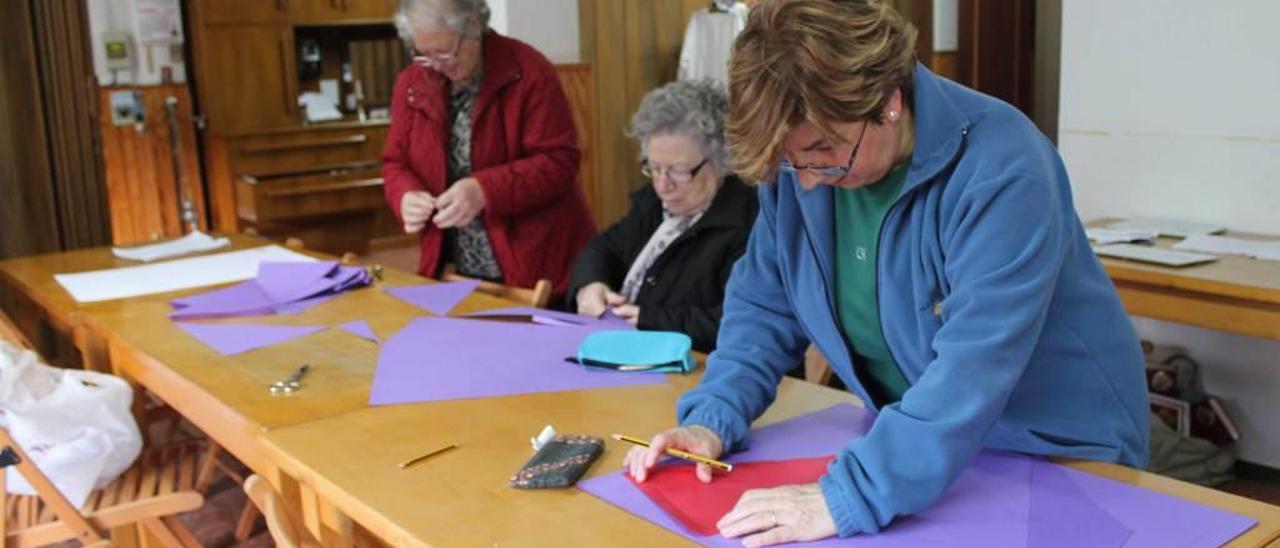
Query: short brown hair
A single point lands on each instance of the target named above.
(822, 61)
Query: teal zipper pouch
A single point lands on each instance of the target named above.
(637, 351)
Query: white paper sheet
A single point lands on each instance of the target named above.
(133, 281)
(1223, 245)
(1167, 227)
(191, 243)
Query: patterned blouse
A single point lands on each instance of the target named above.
(467, 246)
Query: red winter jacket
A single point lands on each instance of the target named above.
(524, 152)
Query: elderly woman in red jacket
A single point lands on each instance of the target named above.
(482, 158)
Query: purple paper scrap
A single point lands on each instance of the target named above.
(231, 339)
(436, 298)
(289, 281)
(437, 359)
(360, 328)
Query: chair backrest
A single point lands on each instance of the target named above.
(283, 527)
(13, 455)
(10, 333)
(537, 296)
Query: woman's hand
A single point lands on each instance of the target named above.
(416, 208)
(593, 299)
(629, 312)
(791, 513)
(459, 205)
(694, 439)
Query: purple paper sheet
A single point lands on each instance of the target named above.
(1060, 512)
(437, 298)
(555, 318)
(243, 299)
(231, 339)
(290, 281)
(298, 307)
(436, 359)
(990, 504)
(360, 328)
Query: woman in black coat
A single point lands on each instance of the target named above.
(665, 265)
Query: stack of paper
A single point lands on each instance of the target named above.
(1231, 246)
(1172, 228)
(191, 243)
(279, 288)
(1103, 236)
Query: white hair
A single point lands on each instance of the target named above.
(695, 109)
(469, 18)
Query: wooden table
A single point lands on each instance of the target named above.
(1234, 294)
(461, 498)
(325, 448)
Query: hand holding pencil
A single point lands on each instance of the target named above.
(694, 439)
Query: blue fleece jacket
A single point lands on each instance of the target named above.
(991, 302)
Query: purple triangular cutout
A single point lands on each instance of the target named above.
(231, 339)
(360, 328)
(438, 298)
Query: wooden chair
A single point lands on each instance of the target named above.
(9, 332)
(539, 296)
(284, 529)
(150, 493)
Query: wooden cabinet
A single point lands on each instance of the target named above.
(217, 12)
(246, 77)
(342, 12)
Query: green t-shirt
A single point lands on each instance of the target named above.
(859, 214)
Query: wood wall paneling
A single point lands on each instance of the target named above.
(68, 83)
(633, 47)
(28, 218)
(997, 49)
(580, 88)
(139, 166)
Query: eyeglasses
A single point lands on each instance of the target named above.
(677, 176)
(432, 60)
(828, 173)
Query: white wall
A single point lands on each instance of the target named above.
(149, 59)
(498, 15)
(946, 25)
(551, 26)
(1168, 109)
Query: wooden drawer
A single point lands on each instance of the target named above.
(270, 155)
(274, 199)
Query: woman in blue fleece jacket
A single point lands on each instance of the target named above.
(922, 235)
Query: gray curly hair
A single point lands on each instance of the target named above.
(693, 108)
(459, 16)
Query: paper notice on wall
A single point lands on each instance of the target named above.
(159, 22)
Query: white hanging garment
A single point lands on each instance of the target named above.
(708, 43)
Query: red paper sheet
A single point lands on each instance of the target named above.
(698, 506)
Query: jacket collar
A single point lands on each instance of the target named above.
(501, 68)
(731, 207)
(941, 128)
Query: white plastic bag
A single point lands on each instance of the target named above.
(75, 425)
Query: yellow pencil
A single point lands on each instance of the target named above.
(680, 454)
(425, 456)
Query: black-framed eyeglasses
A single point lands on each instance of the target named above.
(677, 176)
(829, 173)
